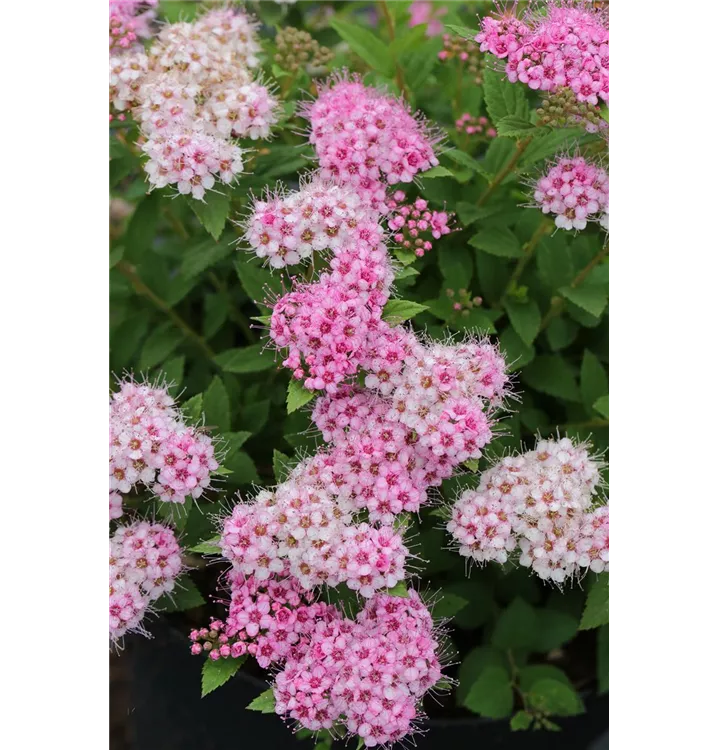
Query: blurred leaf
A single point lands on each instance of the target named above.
(184, 596)
(204, 255)
(517, 353)
(253, 358)
(601, 406)
(255, 415)
(561, 333)
(216, 405)
(473, 664)
(555, 698)
(456, 266)
(463, 31)
(498, 241)
(437, 171)
(530, 675)
(174, 370)
(525, 317)
(596, 612)
(554, 261)
(590, 297)
(212, 211)
(216, 310)
(126, 338)
(159, 345)
(448, 605)
(594, 381)
(263, 703)
(192, 408)
(498, 155)
(551, 374)
(602, 660)
(479, 602)
(298, 395)
(242, 467)
(465, 160)
(516, 626)
(491, 695)
(554, 629)
(142, 227)
(521, 720)
(282, 465)
(176, 514)
(369, 47)
(216, 673)
(257, 282)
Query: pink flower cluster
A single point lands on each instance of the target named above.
(302, 529)
(151, 445)
(145, 561)
(541, 502)
(368, 675)
(413, 224)
(576, 191)
(366, 139)
(191, 94)
(478, 126)
(423, 12)
(129, 21)
(567, 46)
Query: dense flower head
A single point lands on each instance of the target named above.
(575, 190)
(296, 50)
(541, 502)
(415, 225)
(289, 227)
(567, 46)
(561, 109)
(151, 445)
(303, 530)
(366, 138)
(192, 93)
(129, 22)
(368, 675)
(145, 560)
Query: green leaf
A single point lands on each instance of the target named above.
(216, 311)
(369, 47)
(159, 345)
(554, 629)
(546, 145)
(398, 310)
(503, 98)
(193, 408)
(116, 255)
(174, 371)
(184, 596)
(463, 159)
(498, 155)
(525, 317)
(176, 514)
(551, 374)
(142, 228)
(602, 660)
(255, 415)
(554, 262)
(216, 406)
(479, 602)
(203, 256)
(216, 673)
(448, 605)
(237, 439)
(406, 273)
(212, 211)
(242, 467)
(592, 298)
(514, 127)
(463, 31)
(491, 695)
(474, 664)
(555, 698)
(561, 333)
(530, 675)
(521, 720)
(594, 381)
(437, 171)
(126, 338)
(208, 547)
(516, 626)
(517, 353)
(263, 703)
(257, 282)
(282, 465)
(601, 406)
(498, 241)
(298, 396)
(456, 265)
(596, 612)
(253, 358)
(399, 590)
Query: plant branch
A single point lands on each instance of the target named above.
(521, 146)
(143, 290)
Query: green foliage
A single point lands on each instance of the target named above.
(185, 595)
(491, 695)
(212, 211)
(264, 702)
(371, 49)
(216, 673)
(398, 310)
(596, 612)
(298, 396)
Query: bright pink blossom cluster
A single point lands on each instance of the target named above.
(145, 561)
(566, 46)
(414, 224)
(541, 502)
(129, 21)
(304, 530)
(366, 139)
(368, 675)
(476, 126)
(576, 191)
(191, 94)
(151, 445)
